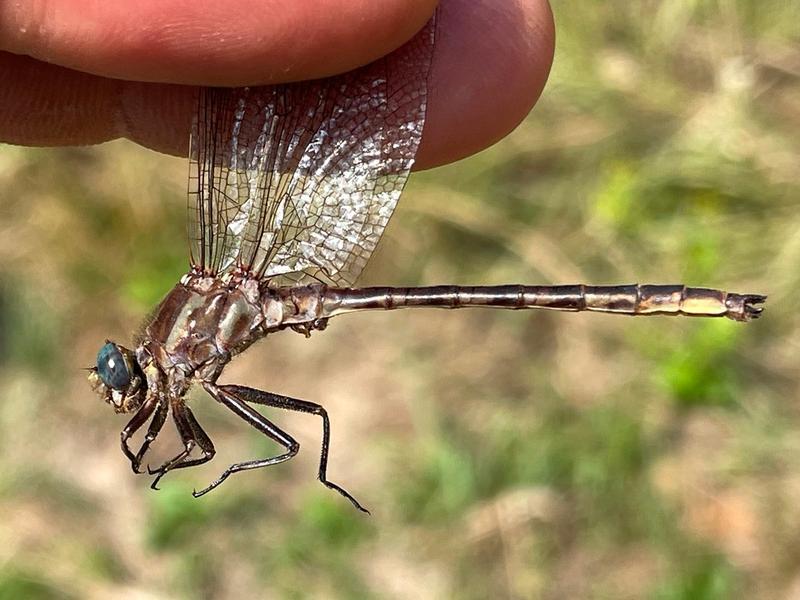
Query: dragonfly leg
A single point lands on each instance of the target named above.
(259, 422)
(134, 425)
(245, 394)
(152, 433)
(192, 436)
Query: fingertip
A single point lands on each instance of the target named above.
(210, 42)
(47, 105)
(158, 116)
(491, 64)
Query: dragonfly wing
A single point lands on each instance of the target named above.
(297, 182)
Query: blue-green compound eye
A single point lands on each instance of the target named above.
(112, 368)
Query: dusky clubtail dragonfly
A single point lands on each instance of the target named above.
(290, 189)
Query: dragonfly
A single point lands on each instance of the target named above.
(290, 189)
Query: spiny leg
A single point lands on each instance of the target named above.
(287, 403)
(257, 421)
(134, 425)
(191, 435)
(202, 439)
(185, 433)
(152, 433)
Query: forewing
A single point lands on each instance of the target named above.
(297, 182)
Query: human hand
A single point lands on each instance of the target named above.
(76, 72)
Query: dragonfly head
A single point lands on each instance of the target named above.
(117, 378)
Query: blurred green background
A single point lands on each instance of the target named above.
(513, 455)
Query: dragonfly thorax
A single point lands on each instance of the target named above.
(202, 322)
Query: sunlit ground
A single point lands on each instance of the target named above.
(503, 454)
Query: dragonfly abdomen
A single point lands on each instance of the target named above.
(632, 299)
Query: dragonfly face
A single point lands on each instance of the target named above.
(117, 378)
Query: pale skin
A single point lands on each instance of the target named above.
(80, 72)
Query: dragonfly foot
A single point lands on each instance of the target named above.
(159, 473)
(332, 486)
(212, 485)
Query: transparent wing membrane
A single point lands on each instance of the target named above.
(298, 181)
